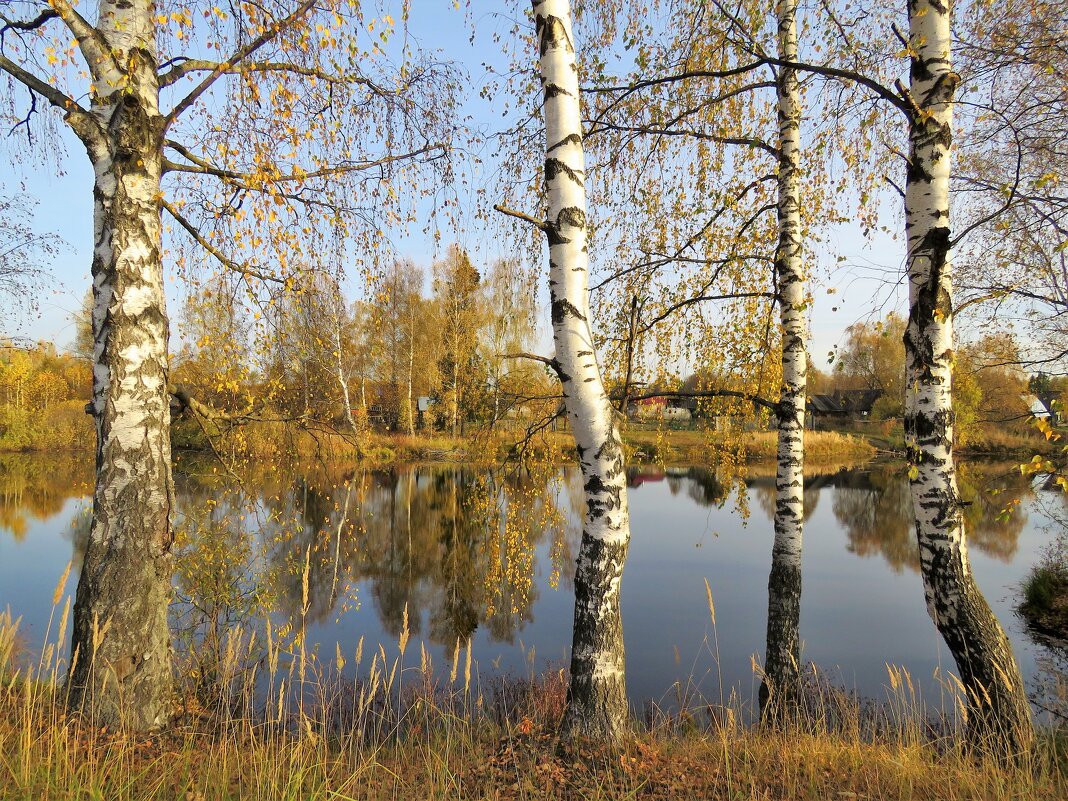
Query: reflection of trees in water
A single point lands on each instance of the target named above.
(875, 508)
(217, 583)
(764, 489)
(78, 533)
(707, 486)
(454, 546)
(34, 487)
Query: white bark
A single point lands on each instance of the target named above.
(597, 704)
(782, 661)
(337, 303)
(411, 365)
(122, 672)
(999, 712)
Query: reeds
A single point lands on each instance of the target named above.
(373, 722)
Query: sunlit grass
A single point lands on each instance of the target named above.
(699, 447)
(382, 722)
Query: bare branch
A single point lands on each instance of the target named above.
(909, 104)
(897, 188)
(701, 299)
(691, 133)
(188, 66)
(681, 76)
(202, 166)
(866, 81)
(551, 363)
(79, 119)
(188, 402)
(539, 224)
(25, 25)
(883, 92)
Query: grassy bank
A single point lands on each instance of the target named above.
(373, 739)
(1045, 597)
(399, 733)
(271, 440)
(988, 441)
(643, 445)
(702, 447)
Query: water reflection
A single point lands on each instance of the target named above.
(488, 554)
(36, 489)
(874, 507)
(444, 550)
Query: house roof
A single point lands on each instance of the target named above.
(824, 404)
(845, 401)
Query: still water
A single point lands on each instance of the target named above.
(464, 552)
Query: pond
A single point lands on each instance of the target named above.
(463, 552)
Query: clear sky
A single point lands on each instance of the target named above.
(865, 283)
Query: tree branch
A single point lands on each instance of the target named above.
(551, 363)
(229, 263)
(539, 224)
(867, 82)
(877, 88)
(25, 25)
(92, 44)
(78, 118)
(188, 402)
(202, 166)
(267, 36)
(191, 65)
(744, 141)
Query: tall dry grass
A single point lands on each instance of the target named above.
(279, 721)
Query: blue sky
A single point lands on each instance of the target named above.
(865, 284)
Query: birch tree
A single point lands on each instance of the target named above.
(999, 715)
(391, 334)
(597, 699)
(782, 661)
(259, 152)
(710, 114)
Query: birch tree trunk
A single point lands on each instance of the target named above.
(781, 683)
(455, 391)
(121, 669)
(999, 717)
(597, 700)
(338, 304)
(411, 365)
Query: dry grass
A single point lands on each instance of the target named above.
(392, 730)
(1008, 442)
(702, 447)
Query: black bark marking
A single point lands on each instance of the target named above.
(561, 308)
(933, 300)
(555, 90)
(570, 139)
(781, 689)
(551, 33)
(554, 168)
(596, 504)
(573, 217)
(596, 700)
